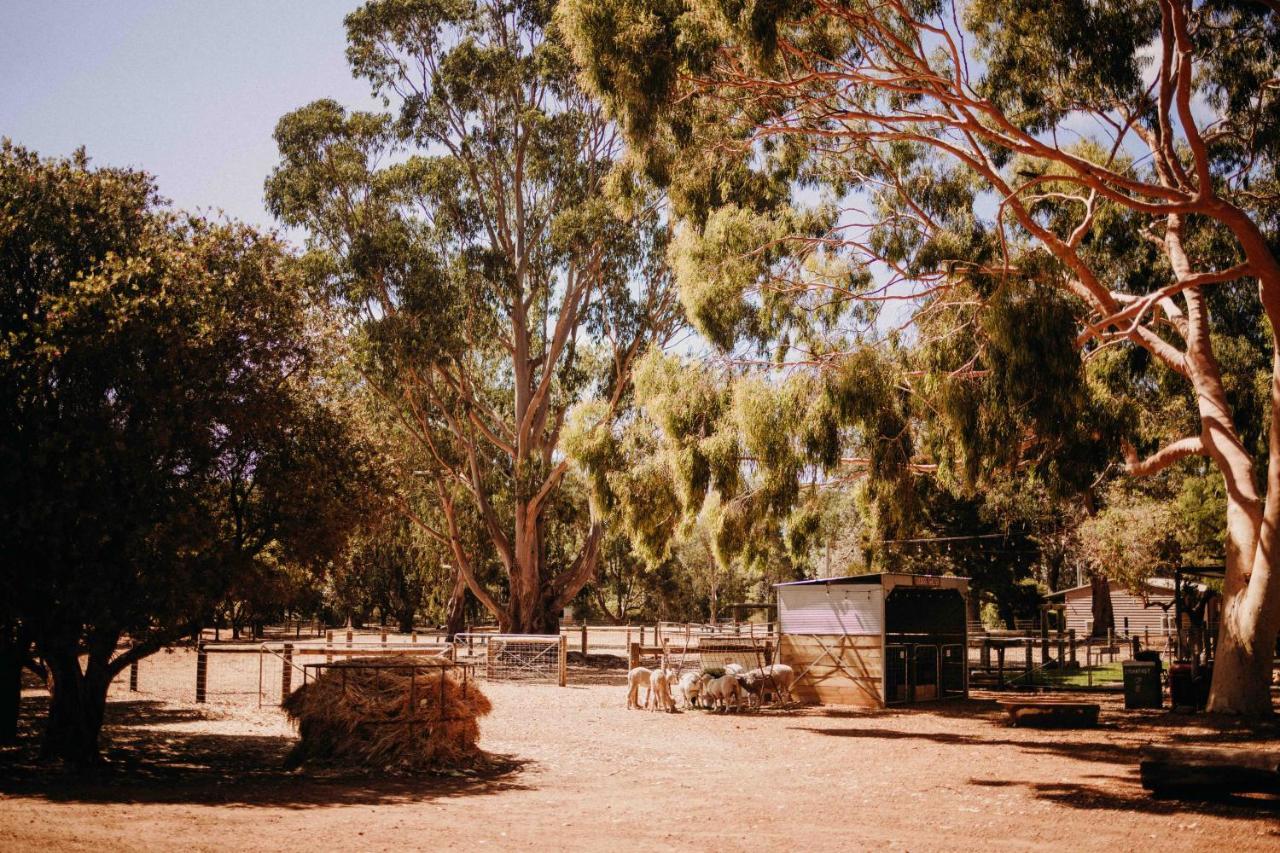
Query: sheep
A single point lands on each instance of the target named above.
(660, 690)
(637, 678)
(775, 678)
(733, 669)
(723, 690)
(689, 687)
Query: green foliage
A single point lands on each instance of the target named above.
(170, 436)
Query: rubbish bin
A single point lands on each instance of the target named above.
(1142, 684)
(1184, 690)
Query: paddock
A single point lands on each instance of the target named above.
(586, 773)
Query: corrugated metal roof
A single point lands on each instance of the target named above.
(852, 609)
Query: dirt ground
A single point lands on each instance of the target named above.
(582, 772)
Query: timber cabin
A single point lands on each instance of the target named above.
(875, 640)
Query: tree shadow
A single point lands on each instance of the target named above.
(1090, 797)
(149, 763)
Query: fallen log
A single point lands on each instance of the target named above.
(1050, 714)
(1209, 770)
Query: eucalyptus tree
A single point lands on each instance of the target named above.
(1107, 169)
(492, 282)
(166, 422)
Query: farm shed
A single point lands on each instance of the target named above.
(875, 640)
(1133, 616)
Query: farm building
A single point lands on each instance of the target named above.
(1149, 613)
(875, 640)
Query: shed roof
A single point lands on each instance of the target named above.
(888, 580)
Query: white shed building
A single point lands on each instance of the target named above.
(872, 640)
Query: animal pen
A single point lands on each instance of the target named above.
(875, 640)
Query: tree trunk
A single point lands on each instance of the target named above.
(405, 619)
(11, 658)
(1104, 618)
(455, 617)
(77, 703)
(1250, 615)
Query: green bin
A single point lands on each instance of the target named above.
(1142, 684)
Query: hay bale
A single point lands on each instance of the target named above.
(358, 713)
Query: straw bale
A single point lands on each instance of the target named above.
(359, 713)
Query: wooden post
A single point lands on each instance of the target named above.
(133, 677)
(1000, 663)
(384, 636)
(470, 639)
(1044, 635)
(584, 640)
(1111, 640)
(642, 635)
(986, 654)
(286, 673)
(1071, 638)
(1062, 656)
(350, 636)
(629, 638)
(328, 647)
(564, 660)
(415, 635)
(666, 657)
(202, 673)
(1030, 649)
(633, 654)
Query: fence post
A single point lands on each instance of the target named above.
(384, 636)
(1030, 647)
(328, 647)
(986, 653)
(1071, 638)
(1062, 656)
(633, 654)
(665, 655)
(629, 638)
(133, 677)
(415, 635)
(564, 660)
(584, 640)
(350, 636)
(1000, 662)
(286, 673)
(1111, 641)
(642, 635)
(202, 673)
(470, 639)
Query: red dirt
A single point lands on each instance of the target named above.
(579, 771)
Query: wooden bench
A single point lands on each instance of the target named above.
(1051, 713)
(1209, 770)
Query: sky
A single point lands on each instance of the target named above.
(188, 90)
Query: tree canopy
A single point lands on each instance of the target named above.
(167, 429)
(1068, 206)
(490, 281)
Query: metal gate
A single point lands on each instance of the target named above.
(897, 688)
(924, 685)
(953, 670)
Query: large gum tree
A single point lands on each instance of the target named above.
(489, 280)
(1120, 154)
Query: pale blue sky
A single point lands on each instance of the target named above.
(188, 90)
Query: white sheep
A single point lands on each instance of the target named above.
(724, 690)
(688, 688)
(660, 690)
(733, 669)
(637, 678)
(776, 678)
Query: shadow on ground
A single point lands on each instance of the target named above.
(1115, 749)
(149, 763)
